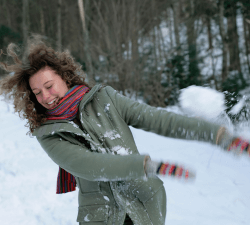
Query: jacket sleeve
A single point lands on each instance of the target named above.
(160, 121)
(83, 163)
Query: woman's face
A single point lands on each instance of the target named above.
(48, 87)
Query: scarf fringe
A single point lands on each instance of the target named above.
(66, 182)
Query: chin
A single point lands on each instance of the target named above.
(46, 107)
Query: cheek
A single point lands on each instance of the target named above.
(54, 91)
(58, 90)
(39, 98)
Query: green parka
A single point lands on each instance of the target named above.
(101, 153)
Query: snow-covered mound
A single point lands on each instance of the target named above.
(220, 195)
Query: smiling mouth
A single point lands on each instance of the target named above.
(53, 101)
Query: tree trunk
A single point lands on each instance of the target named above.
(8, 16)
(169, 21)
(134, 41)
(59, 26)
(248, 28)
(233, 41)
(135, 53)
(25, 24)
(176, 26)
(193, 76)
(210, 38)
(42, 21)
(246, 43)
(86, 38)
(223, 35)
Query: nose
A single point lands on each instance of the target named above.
(45, 96)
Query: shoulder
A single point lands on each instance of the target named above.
(104, 89)
(105, 93)
(97, 90)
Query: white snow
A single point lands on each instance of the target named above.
(219, 195)
(202, 102)
(106, 198)
(74, 124)
(111, 134)
(120, 150)
(236, 108)
(107, 107)
(86, 218)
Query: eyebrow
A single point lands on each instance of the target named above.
(43, 84)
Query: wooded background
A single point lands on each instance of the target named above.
(143, 48)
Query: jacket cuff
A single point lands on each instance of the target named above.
(221, 132)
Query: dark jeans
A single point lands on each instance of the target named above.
(128, 221)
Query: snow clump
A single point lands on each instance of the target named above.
(202, 102)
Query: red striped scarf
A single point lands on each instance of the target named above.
(67, 109)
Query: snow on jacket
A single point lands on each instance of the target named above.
(102, 155)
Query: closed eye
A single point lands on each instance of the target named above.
(40, 92)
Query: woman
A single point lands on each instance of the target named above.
(85, 131)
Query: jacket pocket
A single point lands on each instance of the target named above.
(96, 213)
(92, 198)
(147, 189)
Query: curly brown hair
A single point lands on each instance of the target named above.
(16, 87)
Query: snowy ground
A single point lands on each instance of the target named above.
(220, 194)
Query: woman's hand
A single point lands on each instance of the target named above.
(236, 145)
(153, 168)
(239, 146)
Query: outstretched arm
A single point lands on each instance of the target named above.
(170, 124)
(162, 122)
(84, 163)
